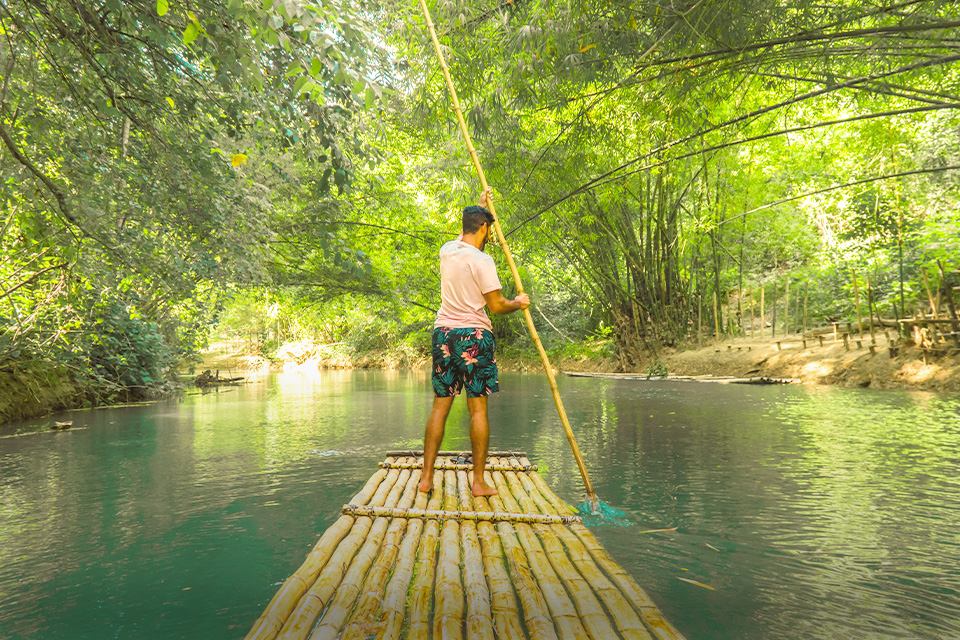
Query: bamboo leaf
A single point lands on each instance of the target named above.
(699, 584)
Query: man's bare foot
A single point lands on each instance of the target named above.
(426, 484)
(483, 490)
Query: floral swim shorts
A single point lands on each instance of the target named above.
(464, 358)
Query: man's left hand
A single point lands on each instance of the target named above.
(486, 198)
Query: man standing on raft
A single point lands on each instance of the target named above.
(463, 345)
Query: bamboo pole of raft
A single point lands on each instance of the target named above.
(466, 516)
(591, 613)
(649, 612)
(591, 496)
(349, 590)
(453, 466)
(375, 583)
(418, 453)
(536, 612)
(566, 619)
(308, 608)
(503, 603)
(270, 622)
(624, 616)
(479, 621)
(448, 592)
(394, 601)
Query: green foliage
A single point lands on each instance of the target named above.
(657, 369)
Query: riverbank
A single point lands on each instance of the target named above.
(36, 389)
(833, 363)
(830, 364)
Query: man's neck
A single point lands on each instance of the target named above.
(471, 239)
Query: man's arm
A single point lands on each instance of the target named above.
(500, 305)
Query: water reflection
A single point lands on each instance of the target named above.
(813, 512)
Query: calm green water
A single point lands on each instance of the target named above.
(813, 512)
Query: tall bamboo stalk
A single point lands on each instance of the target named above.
(856, 295)
(806, 295)
(786, 307)
(753, 329)
(873, 337)
(716, 317)
(926, 284)
(773, 303)
(304, 615)
(271, 621)
(763, 317)
(571, 439)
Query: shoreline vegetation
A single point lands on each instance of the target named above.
(35, 392)
(833, 363)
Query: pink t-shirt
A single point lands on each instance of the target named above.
(466, 273)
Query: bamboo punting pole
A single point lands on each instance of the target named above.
(448, 593)
(658, 625)
(305, 614)
(503, 603)
(453, 466)
(375, 582)
(271, 621)
(624, 616)
(873, 337)
(536, 612)
(753, 329)
(565, 617)
(349, 590)
(589, 609)
(856, 296)
(571, 439)
(474, 516)
(479, 622)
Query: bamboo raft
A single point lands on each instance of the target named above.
(402, 564)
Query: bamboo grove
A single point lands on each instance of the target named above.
(290, 171)
(671, 156)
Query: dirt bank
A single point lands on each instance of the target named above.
(831, 364)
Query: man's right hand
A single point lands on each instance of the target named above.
(523, 300)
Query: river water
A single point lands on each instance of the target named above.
(812, 513)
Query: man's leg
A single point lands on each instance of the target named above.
(432, 437)
(479, 441)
